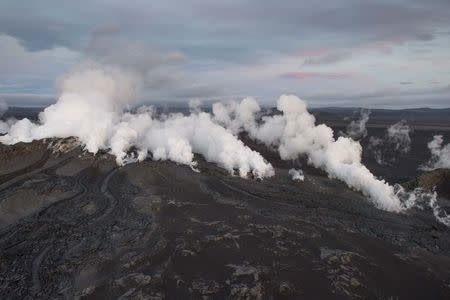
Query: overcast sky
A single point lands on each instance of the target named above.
(392, 53)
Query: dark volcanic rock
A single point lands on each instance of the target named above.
(437, 180)
(157, 230)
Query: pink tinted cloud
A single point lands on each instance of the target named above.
(383, 46)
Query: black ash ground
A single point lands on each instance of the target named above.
(74, 225)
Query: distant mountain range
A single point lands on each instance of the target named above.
(411, 115)
(337, 114)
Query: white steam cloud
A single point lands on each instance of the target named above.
(440, 154)
(357, 128)
(397, 140)
(176, 137)
(297, 175)
(420, 199)
(294, 133)
(91, 107)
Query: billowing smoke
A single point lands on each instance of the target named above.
(440, 154)
(92, 107)
(357, 128)
(396, 141)
(297, 175)
(294, 133)
(3, 125)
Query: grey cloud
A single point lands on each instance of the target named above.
(329, 58)
(173, 42)
(22, 99)
(246, 26)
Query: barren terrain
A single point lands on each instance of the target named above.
(74, 225)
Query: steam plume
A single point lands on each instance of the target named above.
(397, 140)
(398, 135)
(421, 199)
(440, 154)
(294, 133)
(91, 107)
(297, 175)
(176, 137)
(357, 128)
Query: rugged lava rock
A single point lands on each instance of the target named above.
(437, 180)
(76, 226)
